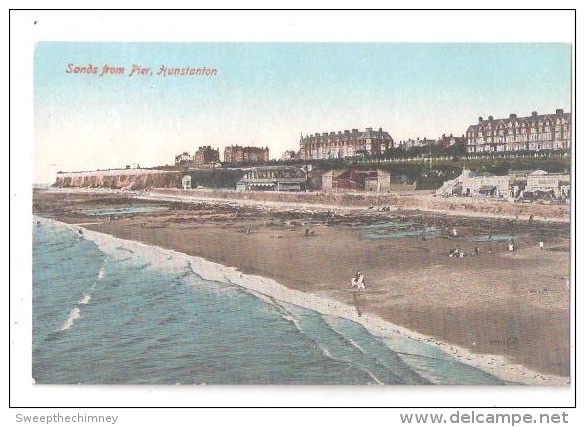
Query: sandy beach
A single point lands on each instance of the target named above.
(510, 304)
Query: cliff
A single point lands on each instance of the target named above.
(128, 179)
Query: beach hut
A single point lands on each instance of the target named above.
(186, 182)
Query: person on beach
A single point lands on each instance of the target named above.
(490, 236)
(454, 232)
(511, 245)
(541, 245)
(476, 251)
(358, 282)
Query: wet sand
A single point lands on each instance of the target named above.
(514, 304)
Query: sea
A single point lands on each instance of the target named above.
(112, 311)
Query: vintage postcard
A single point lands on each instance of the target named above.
(302, 213)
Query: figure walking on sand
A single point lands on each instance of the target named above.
(358, 282)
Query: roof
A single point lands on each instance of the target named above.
(347, 135)
(495, 123)
(474, 174)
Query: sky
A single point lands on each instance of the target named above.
(267, 94)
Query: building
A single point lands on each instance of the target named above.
(517, 184)
(183, 159)
(358, 180)
(289, 155)
(557, 184)
(484, 184)
(239, 154)
(533, 133)
(273, 178)
(474, 184)
(446, 141)
(332, 145)
(205, 156)
(186, 182)
(413, 143)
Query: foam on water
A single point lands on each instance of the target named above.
(383, 351)
(74, 314)
(85, 300)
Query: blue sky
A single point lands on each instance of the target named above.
(266, 94)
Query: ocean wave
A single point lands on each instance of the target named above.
(373, 377)
(271, 291)
(291, 303)
(74, 314)
(85, 299)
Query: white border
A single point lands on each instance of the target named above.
(406, 26)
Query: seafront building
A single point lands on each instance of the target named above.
(183, 159)
(515, 185)
(533, 133)
(273, 178)
(446, 141)
(239, 154)
(414, 143)
(339, 145)
(289, 155)
(364, 180)
(558, 184)
(205, 156)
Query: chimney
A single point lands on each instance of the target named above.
(513, 116)
(559, 111)
(534, 114)
(380, 130)
(481, 119)
(490, 118)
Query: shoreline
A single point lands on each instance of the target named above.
(406, 202)
(479, 305)
(495, 365)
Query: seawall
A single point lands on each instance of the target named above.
(416, 200)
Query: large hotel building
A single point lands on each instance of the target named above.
(338, 145)
(238, 154)
(534, 133)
